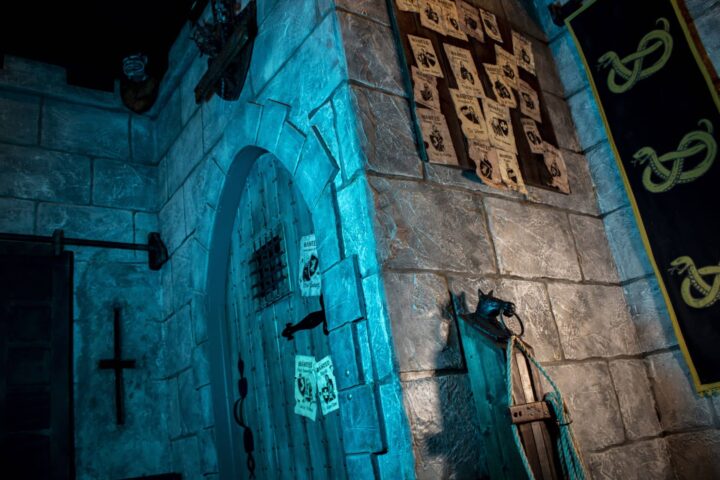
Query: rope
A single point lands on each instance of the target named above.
(570, 461)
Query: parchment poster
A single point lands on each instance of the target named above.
(556, 166)
(425, 57)
(501, 88)
(470, 21)
(529, 101)
(408, 5)
(471, 117)
(425, 89)
(463, 67)
(508, 66)
(452, 20)
(491, 26)
(437, 137)
(305, 403)
(431, 16)
(309, 267)
(510, 171)
(499, 125)
(532, 134)
(326, 386)
(488, 165)
(523, 53)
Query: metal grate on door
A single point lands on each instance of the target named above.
(269, 268)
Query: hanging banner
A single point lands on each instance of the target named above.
(326, 386)
(305, 384)
(662, 113)
(309, 267)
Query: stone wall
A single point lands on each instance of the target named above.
(616, 360)
(74, 159)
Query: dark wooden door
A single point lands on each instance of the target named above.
(287, 445)
(35, 364)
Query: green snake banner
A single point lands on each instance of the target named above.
(662, 114)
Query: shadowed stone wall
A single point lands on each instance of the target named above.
(616, 360)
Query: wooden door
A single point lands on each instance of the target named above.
(272, 218)
(35, 364)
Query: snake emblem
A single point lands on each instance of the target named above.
(695, 281)
(691, 144)
(630, 69)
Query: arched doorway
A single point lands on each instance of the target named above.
(261, 213)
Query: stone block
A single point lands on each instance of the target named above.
(189, 80)
(356, 217)
(189, 402)
(596, 261)
(707, 26)
(582, 196)
(189, 267)
(545, 20)
(695, 454)
(43, 175)
(344, 349)
(19, 114)
(352, 157)
(319, 61)
(374, 9)
(168, 124)
(426, 337)
(397, 429)
(606, 177)
(271, 124)
(446, 434)
(626, 245)
(533, 306)
(561, 119)
(85, 222)
(378, 321)
(202, 189)
(17, 216)
(546, 69)
(172, 222)
(142, 140)
(362, 334)
(636, 461)
(144, 224)
(216, 113)
(186, 457)
(521, 16)
(569, 65)
(387, 137)
(649, 314)
(679, 407)
(585, 113)
(290, 146)
(86, 130)
(590, 397)
(185, 153)
(208, 452)
(326, 221)
(360, 423)
(635, 396)
(162, 181)
(359, 467)
(424, 227)
(201, 365)
(315, 170)
(167, 291)
(593, 321)
(199, 317)
(370, 61)
(178, 341)
(125, 185)
(323, 123)
(206, 406)
(344, 301)
(531, 241)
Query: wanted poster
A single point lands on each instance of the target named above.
(510, 171)
(431, 16)
(471, 118)
(487, 165)
(470, 21)
(556, 166)
(408, 5)
(489, 21)
(305, 404)
(501, 88)
(463, 67)
(499, 125)
(452, 20)
(532, 134)
(309, 267)
(529, 101)
(522, 48)
(425, 89)
(436, 136)
(508, 66)
(425, 57)
(326, 386)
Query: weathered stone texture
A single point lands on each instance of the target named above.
(85, 222)
(592, 403)
(707, 26)
(172, 222)
(532, 304)
(593, 321)
(695, 454)
(446, 434)
(425, 335)
(386, 138)
(124, 185)
(606, 177)
(568, 61)
(679, 407)
(582, 197)
(19, 116)
(585, 112)
(626, 244)
(562, 122)
(531, 241)
(639, 461)
(423, 227)
(375, 9)
(360, 423)
(184, 154)
(649, 314)
(371, 61)
(17, 216)
(142, 140)
(596, 261)
(521, 19)
(637, 404)
(82, 129)
(344, 300)
(43, 175)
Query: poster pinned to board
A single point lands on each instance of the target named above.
(310, 277)
(431, 16)
(523, 53)
(305, 387)
(437, 137)
(490, 23)
(452, 20)
(425, 57)
(463, 68)
(470, 21)
(326, 385)
(425, 89)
